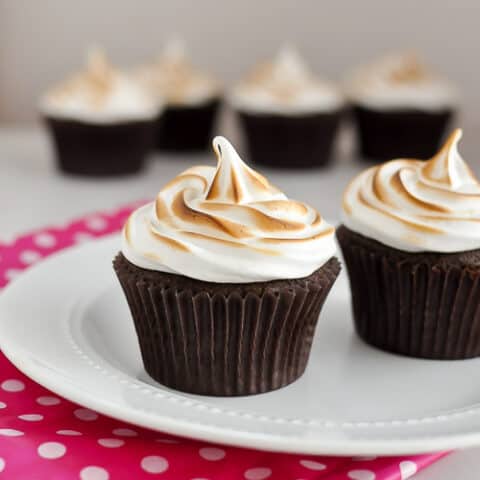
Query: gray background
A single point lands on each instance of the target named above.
(41, 41)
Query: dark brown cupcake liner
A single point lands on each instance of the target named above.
(281, 141)
(100, 150)
(414, 304)
(384, 135)
(224, 339)
(187, 128)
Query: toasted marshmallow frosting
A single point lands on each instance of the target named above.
(101, 94)
(174, 78)
(413, 205)
(400, 81)
(227, 224)
(285, 86)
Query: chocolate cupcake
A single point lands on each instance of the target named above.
(411, 244)
(289, 116)
(225, 278)
(400, 108)
(192, 100)
(102, 121)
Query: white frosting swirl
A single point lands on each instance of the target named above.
(413, 205)
(400, 81)
(101, 94)
(176, 80)
(285, 86)
(227, 224)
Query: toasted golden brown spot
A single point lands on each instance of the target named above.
(346, 206)
(410, 71)
(187, 176)
(287, 206)
(317, 221)
(260, 220)
(324, 233)
(126, 231)
(397, 185)
(422, 228)
(170, 242)
(152, 256)
(259, 181)
(236, 191)
(187, 214)
(161, 209)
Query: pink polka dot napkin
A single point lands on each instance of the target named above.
(45, 437)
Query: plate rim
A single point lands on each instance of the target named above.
(200, 431)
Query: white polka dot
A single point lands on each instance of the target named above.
(111, 442)
(29, 256)
(2, 464)
(361, 475)
(312, 465)
(45, 240)
(3, 405)
(13, 385)
(212, 454)
(10, 432)
(154, 464)
(94, 473)
(125, 432)
(48, 401)
(257, 473)
(407, 469)
(96, 223)
(12, 273)
(82, 237)
(51, 450)
(31, 417)
(69, 433)
(85, 414)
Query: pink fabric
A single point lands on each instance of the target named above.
(44, 437)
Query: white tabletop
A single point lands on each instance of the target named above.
(33, 194)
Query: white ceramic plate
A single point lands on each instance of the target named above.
(66, 324)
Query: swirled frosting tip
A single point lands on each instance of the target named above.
(227, 224)
(234, 181)
(416, 205)
(448, 167)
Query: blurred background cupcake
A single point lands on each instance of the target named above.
(192, 99)
(101, 120)
(289, 115)
(400, 107)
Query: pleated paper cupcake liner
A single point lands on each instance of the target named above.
(300, 141)
(213, 339)
(415, 308)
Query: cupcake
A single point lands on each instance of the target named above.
(411, 243)
(400, 108)
(192, 100)
(101, 120)
(290, 117)
(225, 278)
